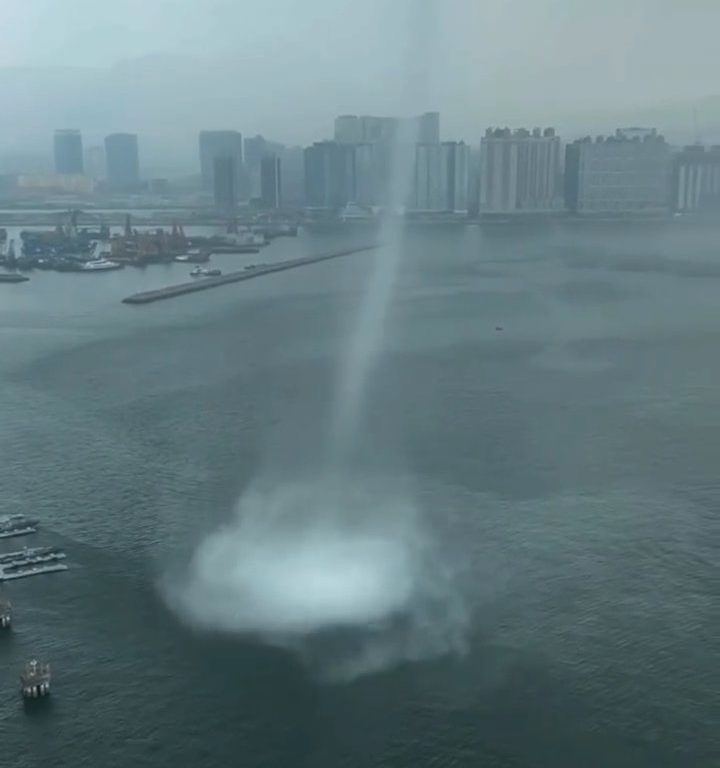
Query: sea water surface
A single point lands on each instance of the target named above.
(552, 395)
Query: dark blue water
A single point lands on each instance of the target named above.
(568, 465)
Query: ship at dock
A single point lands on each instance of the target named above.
(16, 525)
(31, 561)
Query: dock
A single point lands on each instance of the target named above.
(180, 289)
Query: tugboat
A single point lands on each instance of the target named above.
(35, 680)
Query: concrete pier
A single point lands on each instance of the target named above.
(169, 292)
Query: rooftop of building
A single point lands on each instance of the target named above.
(626, 136)
(519, 133)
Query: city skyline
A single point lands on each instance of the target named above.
(518, 170)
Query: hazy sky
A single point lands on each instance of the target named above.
(286, 67)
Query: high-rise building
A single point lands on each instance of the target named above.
(519, 171)
(364, 169)
(455, 170)
(441, 177)
(271, 182)
(428, 128)
(123, 161)
(696, 180)
(385, 150)
(348, 129)
(628, 173)
(293, 177)
(225, 180)
(257, 147)
(428, 178)
(68, 151)
(367, 129)
(329, 175)
(215, 144)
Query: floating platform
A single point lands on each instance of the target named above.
(146, 297)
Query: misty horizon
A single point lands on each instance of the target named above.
(166, 75)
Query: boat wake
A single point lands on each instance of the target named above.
(342, 573)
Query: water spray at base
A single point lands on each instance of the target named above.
(352, 583)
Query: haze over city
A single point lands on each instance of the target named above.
(165, 70)
(359, 389)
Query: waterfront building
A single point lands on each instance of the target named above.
(329, 175)
(428, 178)
(123, 161)
(696, 180)
(225, 182)
(68, 151)
(292, 178)
(271, 182)
(628, 173)
(455, 170)
(441, 177)
(214, 144)
(520, 171)
(65, 184)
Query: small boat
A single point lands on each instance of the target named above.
(16, 525)
(23, 570)
(35, 680)
(31, 556)
(5, 612)
(100, 265)
(203, 272)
